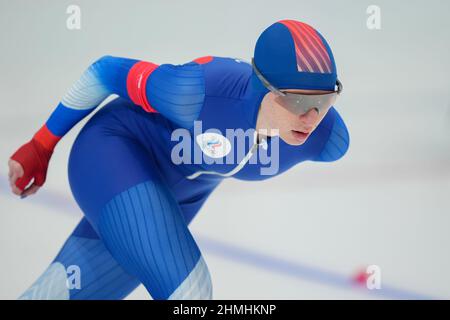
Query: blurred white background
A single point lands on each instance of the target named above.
(302, 235)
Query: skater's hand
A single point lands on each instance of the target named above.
(15, 172)
(29, 162)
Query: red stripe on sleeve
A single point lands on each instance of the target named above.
(137, 81)
(46, 138)
(204, 60)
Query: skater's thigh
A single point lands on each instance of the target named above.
(106, 160)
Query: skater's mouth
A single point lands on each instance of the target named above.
(300, 135)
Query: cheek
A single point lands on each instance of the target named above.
(284, 120)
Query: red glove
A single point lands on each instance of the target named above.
(34, 159)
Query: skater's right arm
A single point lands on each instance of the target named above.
(108, 75)
(175, 91)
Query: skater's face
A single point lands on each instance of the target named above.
(293, 129)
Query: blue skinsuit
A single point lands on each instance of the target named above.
(138, 203)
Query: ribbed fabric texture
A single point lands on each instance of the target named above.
(106, 76)
(101, 277)
(178, 92)
(87, 92)
(197, 286)
(338, 142)
(146, 233)
(51, 285)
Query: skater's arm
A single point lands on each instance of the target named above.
(106, 76)
(176, 91)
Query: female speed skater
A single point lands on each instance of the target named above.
(134, 169)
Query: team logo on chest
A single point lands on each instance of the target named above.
(214, 145)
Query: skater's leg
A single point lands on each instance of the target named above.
(145, 231)
(118, 185)
(96, 275)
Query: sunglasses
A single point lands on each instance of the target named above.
(301, 103)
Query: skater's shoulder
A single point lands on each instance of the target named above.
(224, 76)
